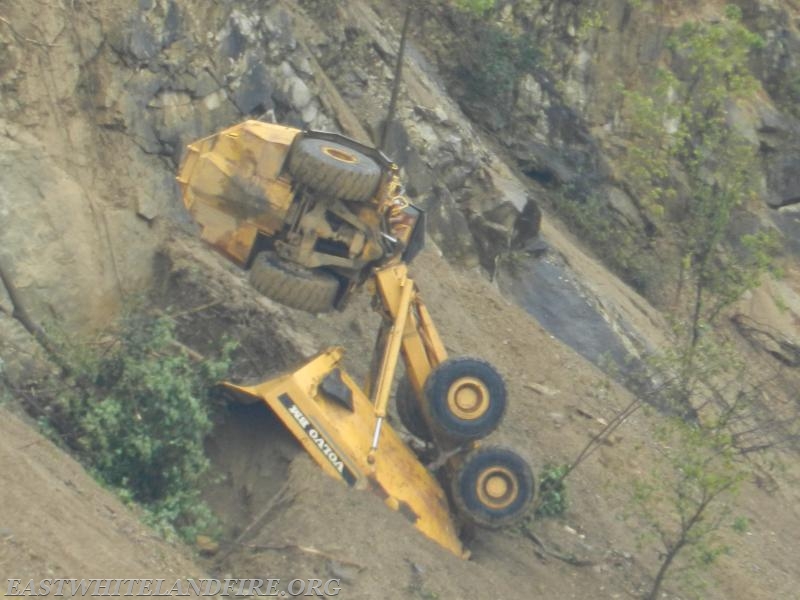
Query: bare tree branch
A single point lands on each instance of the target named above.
(20, 313)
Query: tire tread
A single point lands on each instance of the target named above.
(349, 181)
(312, 291)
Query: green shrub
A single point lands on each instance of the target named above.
(741, 524)
(477, 7)
(136, 412)
(490, 62)
(552, 491)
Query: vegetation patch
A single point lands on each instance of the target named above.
(685, 504)
(487, 60)
(477, 7)
(135, 409)
(552, 500)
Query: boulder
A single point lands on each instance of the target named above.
(72, 260)
(449, 228)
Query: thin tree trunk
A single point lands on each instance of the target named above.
(662, 571)
(686, 527)
(398, 78)
(604, 434)
(696, 312)
(694, 338)
(679, 289)
(21, 314)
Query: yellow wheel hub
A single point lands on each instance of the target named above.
(497, 488)
(340, 155)
(468, 398)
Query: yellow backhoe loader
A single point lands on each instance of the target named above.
(314, 216)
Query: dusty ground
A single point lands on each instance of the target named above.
(56, 521)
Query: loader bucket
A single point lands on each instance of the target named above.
(334, 421)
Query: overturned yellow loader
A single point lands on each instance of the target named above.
(314, 216)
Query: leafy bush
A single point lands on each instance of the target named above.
(136, 411)
(478, 7)
(490, 62)
(552, 491)
(683, 503)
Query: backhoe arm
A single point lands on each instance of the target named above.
(421, 345)
(408, 329)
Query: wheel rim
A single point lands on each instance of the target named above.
(468, 398)
(497, 488)
(340, 155)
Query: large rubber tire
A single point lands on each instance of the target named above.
(493, 487)
(313, 291)
(334, 169)
(409, 411)
(465, 399)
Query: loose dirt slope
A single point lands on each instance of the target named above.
(56, 522)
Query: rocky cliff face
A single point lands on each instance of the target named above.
(98, 101)
(565, 119)
(100, 98)
(552, 96)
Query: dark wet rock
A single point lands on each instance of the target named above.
(457, 176)
(448, 226)
(624, 205)
(492, 239)
(253, 93)
(420, 178)
(768, 340)
(549, 291)
(397, 145)
(142, 36)
(504, 215)
(233, 44)
(526, 226)
(197, 83)
(541, 163)
(783, 177)
(787, 220)
(142, 43)
(777, 134)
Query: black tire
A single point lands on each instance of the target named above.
(313, 291)
(465, 399)
(409, 411)
(334, 169)
(492, 487)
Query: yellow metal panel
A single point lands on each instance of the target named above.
(224, 232)
(431, 335)
(279, 192)
(339, 441)
(232, 187)
(269, 144)
(280, 134)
